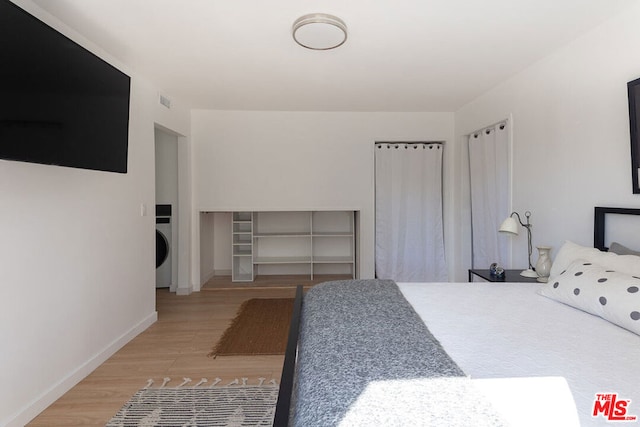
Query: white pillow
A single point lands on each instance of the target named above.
(598, 290)
(570, 252)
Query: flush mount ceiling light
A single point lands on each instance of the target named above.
(319, 31)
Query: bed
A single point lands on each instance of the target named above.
(371, 352)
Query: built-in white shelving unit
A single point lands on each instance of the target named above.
(242, 247)
(333, 242)
(296, 242)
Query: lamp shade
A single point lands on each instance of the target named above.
(509, 225)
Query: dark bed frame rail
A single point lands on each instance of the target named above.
(283, 406)
(599, 223)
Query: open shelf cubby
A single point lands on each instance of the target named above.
(293, 242)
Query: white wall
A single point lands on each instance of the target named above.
(570, 135)
(166, 176)
(302, 161)
(222, 253)
(166, 163)
(207, 250)
(76, 260)
(215, 245)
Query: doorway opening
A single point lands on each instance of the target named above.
(166, 209)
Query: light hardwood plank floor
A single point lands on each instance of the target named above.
(271, 281)
(176, 346)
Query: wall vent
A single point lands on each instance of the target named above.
(165, 101)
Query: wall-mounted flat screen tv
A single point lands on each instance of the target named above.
(59, 103)
(633, 89)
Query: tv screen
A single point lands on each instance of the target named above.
(633, 89)
(59, 103)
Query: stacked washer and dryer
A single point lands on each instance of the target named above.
(163, 246)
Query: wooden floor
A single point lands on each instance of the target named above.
(176, 346)
(271, 281)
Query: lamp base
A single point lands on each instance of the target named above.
(529, 273)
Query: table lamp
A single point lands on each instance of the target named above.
(510, 226)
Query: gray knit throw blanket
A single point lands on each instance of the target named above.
(365, 358)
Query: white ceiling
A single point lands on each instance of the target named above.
(401, 55)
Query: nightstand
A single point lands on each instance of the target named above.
(509, 276)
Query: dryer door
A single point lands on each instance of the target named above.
(162, 248)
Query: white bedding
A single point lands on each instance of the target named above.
(521, 346)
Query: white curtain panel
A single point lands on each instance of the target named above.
(489, 174)
(409, 231)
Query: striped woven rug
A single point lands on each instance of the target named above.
(227, 405)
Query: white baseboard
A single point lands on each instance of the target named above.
(30, 411)
(213, 273)
(184, 291)
(206, 277)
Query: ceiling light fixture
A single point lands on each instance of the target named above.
(319, 31)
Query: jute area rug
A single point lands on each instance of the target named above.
(202, 405)
(261, 327)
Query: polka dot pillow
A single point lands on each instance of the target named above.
(597, 290)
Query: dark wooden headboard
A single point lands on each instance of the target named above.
(599, 223)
